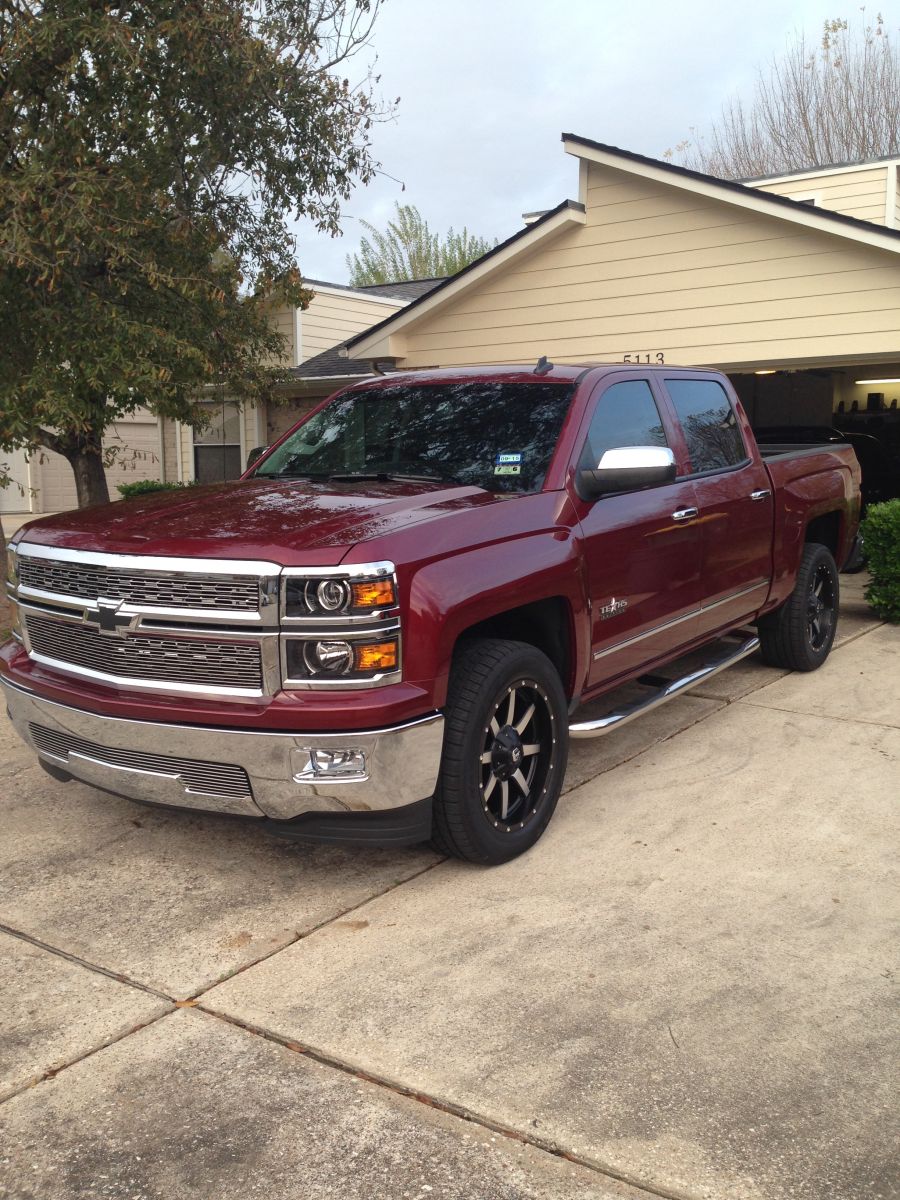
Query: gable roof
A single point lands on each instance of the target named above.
(724, 190)
(737, 193)
(524, 239)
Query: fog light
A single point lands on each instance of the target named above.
(319, 764)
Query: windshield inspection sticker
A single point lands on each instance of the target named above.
(507, 464)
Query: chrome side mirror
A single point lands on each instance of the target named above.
(255, 455)
(627, 468)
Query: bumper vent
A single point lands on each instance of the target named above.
(202, 778)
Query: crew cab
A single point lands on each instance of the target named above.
(384, 631)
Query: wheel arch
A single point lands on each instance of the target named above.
(826, 529)
(547, 624)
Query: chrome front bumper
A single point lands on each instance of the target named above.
(287, 774)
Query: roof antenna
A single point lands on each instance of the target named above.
(544, 366)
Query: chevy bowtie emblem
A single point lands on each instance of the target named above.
(105, 618)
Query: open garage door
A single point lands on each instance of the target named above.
(860, 404)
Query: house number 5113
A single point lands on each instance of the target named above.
(656, 356)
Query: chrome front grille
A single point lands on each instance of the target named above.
(88, 581)
(202, 663)
(204, 778)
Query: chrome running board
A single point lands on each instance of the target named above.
(621, 716)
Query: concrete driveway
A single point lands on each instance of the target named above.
(688, 989)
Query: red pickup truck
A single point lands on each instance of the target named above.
(383, 631)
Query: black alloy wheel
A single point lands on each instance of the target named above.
(820, 608)
(506, 741)
(519, 742)
(799, 635)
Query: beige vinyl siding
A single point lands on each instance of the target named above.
(332, 318)
(858, 194)
(658, 270)
(282, 318)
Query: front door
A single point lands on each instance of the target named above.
(642, 548)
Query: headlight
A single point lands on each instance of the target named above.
(15, 627)
(358, 592)
(12, 569)
(336, 660)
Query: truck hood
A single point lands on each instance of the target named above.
(291, 522)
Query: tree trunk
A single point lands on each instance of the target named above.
(90, 477)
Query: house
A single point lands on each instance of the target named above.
(790, 284)
(150, 448)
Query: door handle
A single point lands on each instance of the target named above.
(685, 514)
(762, 494)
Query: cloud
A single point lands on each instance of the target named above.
(487, 86)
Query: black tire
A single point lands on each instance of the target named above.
(495, 680)
(799, 635)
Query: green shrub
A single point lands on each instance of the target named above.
(141, 487)
(881, 532)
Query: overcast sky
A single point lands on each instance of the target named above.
(488, 86)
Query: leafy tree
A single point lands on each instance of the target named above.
(151, 155)
(408, 249)
(838, 101)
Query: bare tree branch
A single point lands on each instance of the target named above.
(835, 102)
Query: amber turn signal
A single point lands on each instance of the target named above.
(375, 593)
(376, 656)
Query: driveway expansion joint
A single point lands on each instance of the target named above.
(52, 1073)
(193, 999)
(546, 1146)
(83, 962)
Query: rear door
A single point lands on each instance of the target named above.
(733, 498)
(642, 549)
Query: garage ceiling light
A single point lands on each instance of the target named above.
(772, 372)
(877, 381)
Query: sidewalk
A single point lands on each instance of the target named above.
(687, 989)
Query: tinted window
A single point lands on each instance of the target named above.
(498, 435)
(626, 415)
(710, 426)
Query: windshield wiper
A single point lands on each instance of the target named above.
(391, 477)
(292, 475)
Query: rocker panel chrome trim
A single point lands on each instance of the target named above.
(696, 612)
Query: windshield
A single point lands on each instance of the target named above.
(498, 435)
